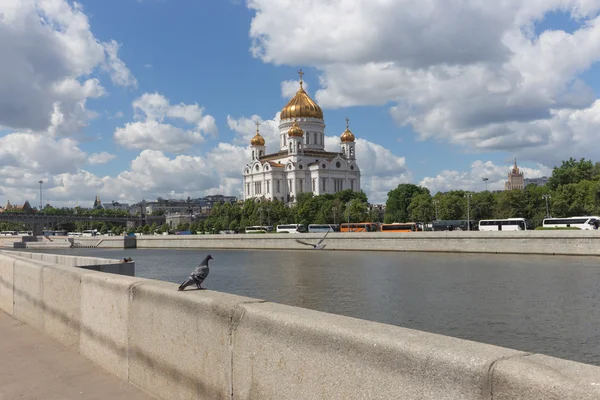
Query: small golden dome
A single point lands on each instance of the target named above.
(301, 105)
(257, 140)
(347, 136)
(295, 130)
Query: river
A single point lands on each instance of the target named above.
(542, 304)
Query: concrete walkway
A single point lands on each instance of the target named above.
(33, 366)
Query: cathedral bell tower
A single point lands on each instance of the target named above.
(295, 138)
(347, 141)
(257, 144)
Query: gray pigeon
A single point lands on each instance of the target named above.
(317, 246)
(198, 276)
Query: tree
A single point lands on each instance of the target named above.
(396, 208)
(357, 210)
(421, 208)
(571, 171)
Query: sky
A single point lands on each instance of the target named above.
(136, 99)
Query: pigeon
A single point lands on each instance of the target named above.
(317, 246)
(198, 275)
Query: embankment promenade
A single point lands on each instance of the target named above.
(211, 345)
(564, 242)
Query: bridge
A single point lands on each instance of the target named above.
(38, 221)
(211, 345)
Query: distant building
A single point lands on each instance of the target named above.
(187, 207)
(115, 205)
(536, 181)
(26, 208)
(97, 204)
(515, 179)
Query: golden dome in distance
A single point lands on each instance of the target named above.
(295, 130)
(257, 140)
(301, 105)
(347, 136)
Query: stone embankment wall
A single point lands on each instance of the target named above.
(210, 345)
(520, 242)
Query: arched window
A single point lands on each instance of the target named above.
(260, 153)
(351, 151)
(253, 154)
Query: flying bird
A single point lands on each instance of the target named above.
(198, 275)
(317, 246)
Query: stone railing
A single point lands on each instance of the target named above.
(519, 242)
(210, 345)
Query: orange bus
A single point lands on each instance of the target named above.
(359, 227)
(400, 227)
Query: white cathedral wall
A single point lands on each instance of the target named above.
(310, 126)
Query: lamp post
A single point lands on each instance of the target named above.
(547, 197)
(485, 180)
(468, 197)
(334, 209)
(435, 203)
(260, 212)
(269, 215)
(41, 204)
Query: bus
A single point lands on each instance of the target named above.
(258, 229)
(291, 228)
(400, 227)
(453, 225)
(8, 233)
(583, 223)
(323, 228)
(508, 224)
(359, 227)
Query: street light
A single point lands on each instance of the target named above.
(260, 212)
(547, 197)
(40, 182)
(435, 203)
(334, 209)
(468, 197)
(486, 181)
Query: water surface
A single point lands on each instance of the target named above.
(543, 304)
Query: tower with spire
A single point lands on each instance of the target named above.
(302, 164)
(516, 180)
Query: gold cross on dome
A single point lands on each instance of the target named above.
(301, 74)
(347, 120)
(257, 124)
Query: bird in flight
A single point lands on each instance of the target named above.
(198, 275)
(318, 246)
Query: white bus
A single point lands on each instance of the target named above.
(509, 224)
(8, 233)
(323, 228)
(258, 229)
(583, 223)
(291, 228)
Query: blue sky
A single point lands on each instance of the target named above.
(131, 99)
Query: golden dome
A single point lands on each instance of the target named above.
(257, 140)
(301, 105)
(295, 130)
(347, 136)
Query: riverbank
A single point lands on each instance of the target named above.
(586, 243)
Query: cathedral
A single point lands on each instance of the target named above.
(302, 164)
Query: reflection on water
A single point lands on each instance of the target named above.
(544, 304)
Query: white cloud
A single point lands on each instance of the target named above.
(119, 73)
(290, 87)
(473, 179)
(245, 128)
(153, 133)
(485, 85)
(101, 158)
(48, 51)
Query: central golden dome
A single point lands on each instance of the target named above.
(301, 105)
